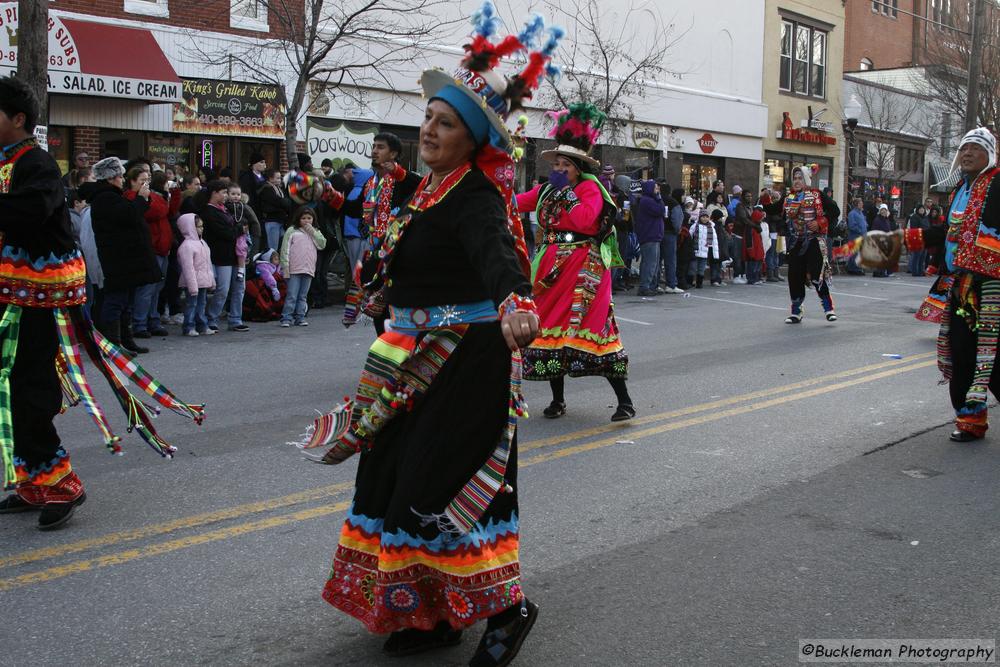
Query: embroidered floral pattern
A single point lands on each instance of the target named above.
(401, 597)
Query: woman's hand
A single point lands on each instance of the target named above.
(144, 190)
(812, 226)
(519, 329)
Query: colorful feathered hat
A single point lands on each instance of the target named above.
(483, 97)
(576, 131)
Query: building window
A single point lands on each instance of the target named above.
(886, 7)
(785, 67)
(867, 64)
(941, 14)
(156, 8)
(802, 63)
(248, 14)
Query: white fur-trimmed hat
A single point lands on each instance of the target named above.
(108, 168)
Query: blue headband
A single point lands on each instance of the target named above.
(468, 110)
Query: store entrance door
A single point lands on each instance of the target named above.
(697, 179)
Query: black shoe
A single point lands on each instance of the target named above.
(963, 436)
(793, 318)
(555, 410)
(499, 646)
(240, 327)
(159, 331)
(411, 641)
(623, 413)
(142, 334)
(128, 340)
(57, 514)
(831, 316)
(14, 503)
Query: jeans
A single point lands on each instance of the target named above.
(273, 231)
(668, 257)
(753, 271)
(649, 265)
(116, 305)
(698, 266)
(295, 300)
(771, 258)
(194, 311)
(355, 248)
(145, 306)
(735, 247)
(223, 278)
(319, 291)
(918, 263)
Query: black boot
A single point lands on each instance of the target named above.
(128, 342)
(55, 515)
(698, 281)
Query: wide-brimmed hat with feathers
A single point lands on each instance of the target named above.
(483, 97)
(576, 131)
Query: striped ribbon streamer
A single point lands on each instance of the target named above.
(10, 326)
(72, 373)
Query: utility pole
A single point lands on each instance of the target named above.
(975, 64)
(33, 51)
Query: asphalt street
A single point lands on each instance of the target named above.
(780, 482)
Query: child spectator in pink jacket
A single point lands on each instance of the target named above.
(299, 249)
(197, 276)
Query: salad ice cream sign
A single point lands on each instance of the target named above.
(81, 63)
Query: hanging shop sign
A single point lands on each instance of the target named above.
(339, 142)
(81, 62)
(707, 143)
(230, 108)
(646, 137)
(789, 132)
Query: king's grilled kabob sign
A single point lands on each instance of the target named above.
(231, 107)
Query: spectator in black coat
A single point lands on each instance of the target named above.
(124, 246)
(251, 181)
(275, 207)
(221, 232)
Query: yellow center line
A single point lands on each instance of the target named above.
(177, 524)
(121, 557)
(701, 407)
(239, 511)
(715, 416)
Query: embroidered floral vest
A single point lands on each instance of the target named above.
(43, 282)
(978, 245)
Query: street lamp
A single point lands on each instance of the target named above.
(852, 111)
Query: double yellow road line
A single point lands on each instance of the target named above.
(538, 451)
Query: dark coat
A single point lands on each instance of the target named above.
(274, 206)
(220, 234)
(124, 244)
(33, 213)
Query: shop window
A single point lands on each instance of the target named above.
(157, 8)
(125, 145)
(802, 60)
(248, 14)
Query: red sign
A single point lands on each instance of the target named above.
(707, 143)
(791, 133)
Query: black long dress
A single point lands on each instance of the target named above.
(390, 571)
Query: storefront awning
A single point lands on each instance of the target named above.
(98, 59)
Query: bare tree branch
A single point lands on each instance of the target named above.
(324, 45)
(610, 62)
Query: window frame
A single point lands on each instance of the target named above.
(812, 30)
(157, 8)
(258, 24)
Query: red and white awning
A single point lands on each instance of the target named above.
(96, 59)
